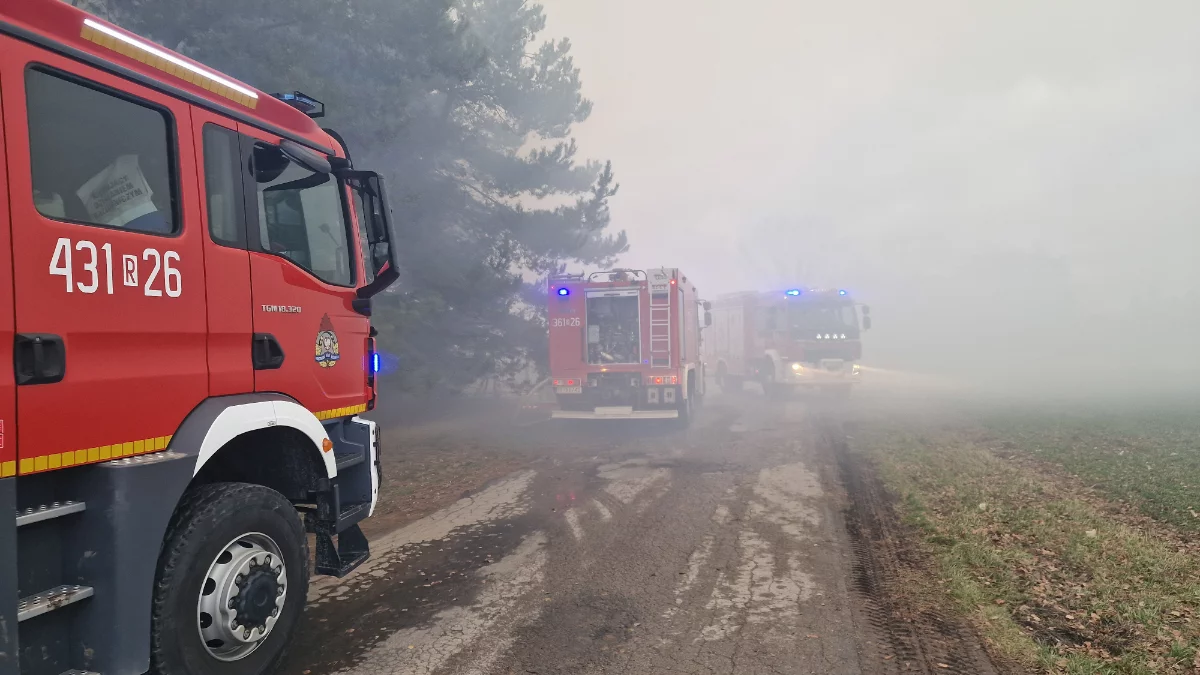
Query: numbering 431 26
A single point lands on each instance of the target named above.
(163, 276)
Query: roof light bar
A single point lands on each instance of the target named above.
(169, 57)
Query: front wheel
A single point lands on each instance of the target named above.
(231, 583)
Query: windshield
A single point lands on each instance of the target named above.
(809, 318)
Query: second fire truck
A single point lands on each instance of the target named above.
(625, 344)
(787, 339)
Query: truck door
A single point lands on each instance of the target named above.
(303, 275)
(107, 265)
(8, 392)
(226, 262)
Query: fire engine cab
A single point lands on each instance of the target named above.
(186, 267)
(625, 344)
(787, 339)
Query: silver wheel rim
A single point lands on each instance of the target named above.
(234, 613)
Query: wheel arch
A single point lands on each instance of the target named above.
(265, 439)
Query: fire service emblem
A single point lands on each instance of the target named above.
(327, 344)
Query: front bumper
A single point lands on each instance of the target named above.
(817, 374)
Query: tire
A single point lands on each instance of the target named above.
(686, 411)
(245, 522)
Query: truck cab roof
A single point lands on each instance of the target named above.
(77, 34)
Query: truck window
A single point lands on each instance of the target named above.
(97, 158)
(300, 216)
(223, 186)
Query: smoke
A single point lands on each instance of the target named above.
(1010, 186)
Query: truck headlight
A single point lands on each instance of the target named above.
(796, 367)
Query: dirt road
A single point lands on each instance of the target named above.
(750, 543)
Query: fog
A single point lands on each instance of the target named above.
(1010, 186)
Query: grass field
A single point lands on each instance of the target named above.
(1150, 458)
(1066, 536)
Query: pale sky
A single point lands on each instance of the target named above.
(879, 145)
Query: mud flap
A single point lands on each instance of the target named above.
(350, 551)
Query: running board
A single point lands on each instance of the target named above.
(37, 514)
(78, 672)
(48, 601)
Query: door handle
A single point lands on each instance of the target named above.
(266, 352)
(39, 358)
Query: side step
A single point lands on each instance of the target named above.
(78, 672)
(346, 460)
(352, 514)
(48, 601)
(47, 511)
(351, 551)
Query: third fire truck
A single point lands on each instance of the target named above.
(786, 339)
(625, 344)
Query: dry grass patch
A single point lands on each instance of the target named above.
(1055, 577)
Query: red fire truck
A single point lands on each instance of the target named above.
(625, 344)
(787, 339)
(188, 301)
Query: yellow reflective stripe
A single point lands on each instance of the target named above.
(337, 413)
(68, 458)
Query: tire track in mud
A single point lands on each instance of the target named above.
(910, 639)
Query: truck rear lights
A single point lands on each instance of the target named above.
(567, 383)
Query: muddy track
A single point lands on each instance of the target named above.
(929, 638)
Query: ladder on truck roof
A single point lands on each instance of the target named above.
(660, 322)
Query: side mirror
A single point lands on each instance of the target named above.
(707, 318)
(866, 310)
(866, 323)
(377, 228)
(707, 305)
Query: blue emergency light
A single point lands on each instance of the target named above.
(564, 292)
(792, 292)
(841, 292)
(375, 362)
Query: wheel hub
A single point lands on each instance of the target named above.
(256, 596)
(241, 597)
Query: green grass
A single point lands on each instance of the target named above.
(1051, 579)
(1150, 459)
